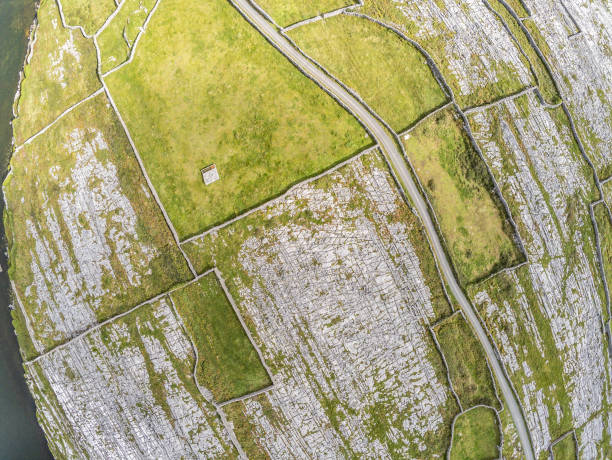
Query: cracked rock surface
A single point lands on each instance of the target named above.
(125, 390)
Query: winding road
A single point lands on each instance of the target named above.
(395, 157)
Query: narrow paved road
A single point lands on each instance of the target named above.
(391, 150)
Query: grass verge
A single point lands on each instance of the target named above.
(389, 73)
(472, 219)
(605, 241)
(229, 365)
(466, 362)
(227, 97)
(476, 435)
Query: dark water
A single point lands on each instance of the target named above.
(20, 435)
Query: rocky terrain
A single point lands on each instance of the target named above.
(333, 280)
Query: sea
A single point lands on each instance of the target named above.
(20, 435)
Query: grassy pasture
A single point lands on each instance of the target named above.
(389, 73)
(466, 362)
(289, 12)
(89, 14)
(227, 97)
(61, 72)
(472, 220)
(476, 435)
(565, 449)
(437, 45)
(229, 365)
(114, 49)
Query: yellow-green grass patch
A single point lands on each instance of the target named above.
(118, 250)
(246, 431)
(287, 12)
(467, 365)
(606, 187)
(214, 91)
(89, 14)
(541, 74)
(507, 79)
(117, 39)
(605, 241)
(476, 435)
(565, 449)
(61, 72)
(477, 231)
(512, 448)
(519, 7)
(388, 72)
(229, 365)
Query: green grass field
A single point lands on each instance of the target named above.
(62, 71)
(436, 44)
(287, 12)
(466, 362)
(113, 46)
(476, 435)
(565, 449)
(39, 213)
(226, 97)
(229, 365)
(389, 73)
(471, 217)
(88, 14)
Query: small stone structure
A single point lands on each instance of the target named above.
(210, 174)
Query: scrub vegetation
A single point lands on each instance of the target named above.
(477, 231)
(61, 72)
(246, 432)
(476, 435)
(88, 14)
(466, 362)
(229, 365)
(287, 12)
(200, 99)
(388, 72)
